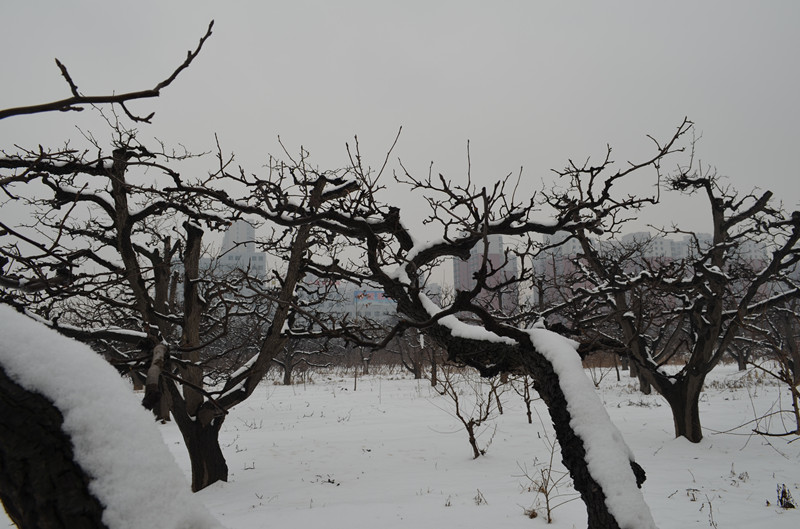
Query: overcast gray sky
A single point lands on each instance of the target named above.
(527, 83)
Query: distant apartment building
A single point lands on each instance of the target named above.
(238, 252)
(663, 247)
(345, 300)
(555, 265)
(505, 300)
(557, 259)
(650, 246)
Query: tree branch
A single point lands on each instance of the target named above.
(71, 103)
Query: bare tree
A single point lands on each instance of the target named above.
(777, 333)
(305, 353)
(141, 256)
(473, 400)
(466, 216)
(41, 484)
(693, 307)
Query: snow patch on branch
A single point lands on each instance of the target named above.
(397, 273)
(115, 440)
(88, 330)
(421, 246)
(524, 220)
(460, 329)
(607, 455)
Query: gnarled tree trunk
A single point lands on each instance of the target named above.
(683, 398)
(205, 454)
(201, 434)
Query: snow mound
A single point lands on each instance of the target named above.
(115, 440)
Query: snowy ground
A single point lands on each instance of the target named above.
(391, 454)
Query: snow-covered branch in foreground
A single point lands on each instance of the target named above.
(608, 458)
(607, 455)
(115, 440)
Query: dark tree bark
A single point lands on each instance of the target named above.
(200, 432)
(41, 484)
(525, 358)
(644, 385)
(205, 454)
(473, 442)
(683, 398)
(434, 371)
(741, 361)
(287, 375)
(192, 314)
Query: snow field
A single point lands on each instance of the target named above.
(390, 454)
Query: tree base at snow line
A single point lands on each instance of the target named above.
(201, 435)
(41, 485)
(683, 397)
(206, 457)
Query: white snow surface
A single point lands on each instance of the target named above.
(397, 272)
(116, 441)
(391, 455)
(607, 455)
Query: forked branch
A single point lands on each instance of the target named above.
(73, 103)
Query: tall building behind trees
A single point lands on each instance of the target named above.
(238, 252)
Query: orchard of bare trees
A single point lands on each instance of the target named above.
(111, 243)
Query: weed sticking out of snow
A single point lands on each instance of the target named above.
(785, 500)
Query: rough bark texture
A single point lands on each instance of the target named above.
(684, 401)
(201, 434)
(192, 312)
(573, 452)
(205, 454)
(41, 485)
